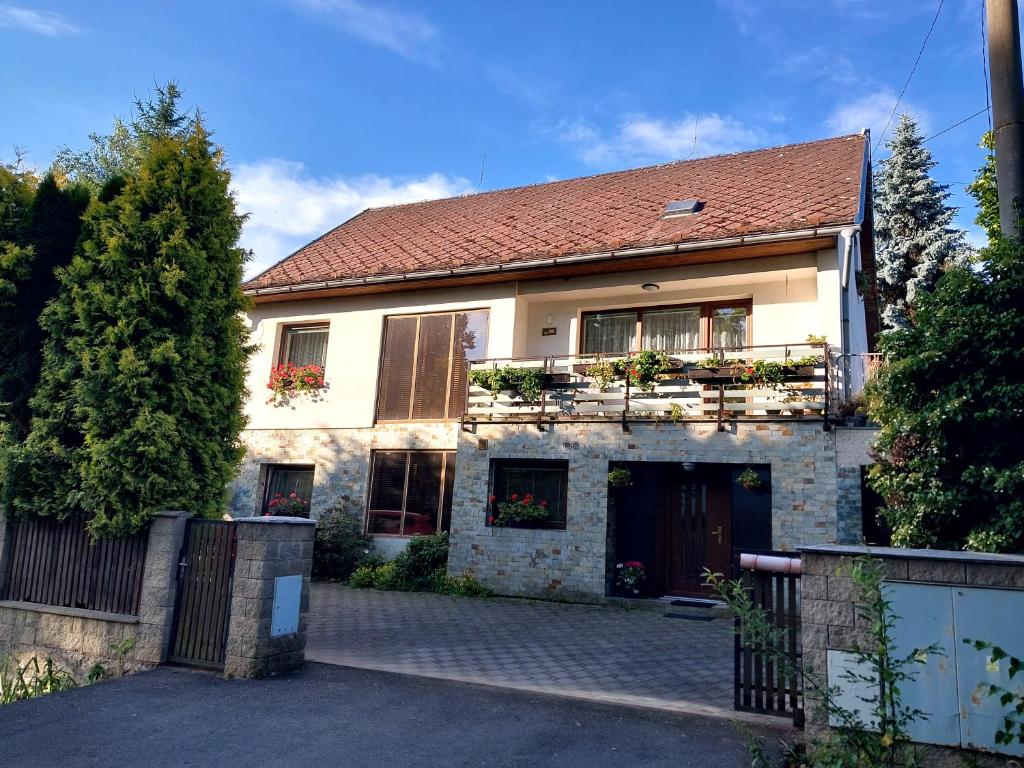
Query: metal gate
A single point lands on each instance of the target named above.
(205, 569)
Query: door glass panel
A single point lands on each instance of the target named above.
(671, 330)
(609, 332)
(729, 327)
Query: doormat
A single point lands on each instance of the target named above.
(684, 602)
(688, 617)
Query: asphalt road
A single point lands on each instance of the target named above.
(334, 716)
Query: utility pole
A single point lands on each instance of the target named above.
(1007, 109)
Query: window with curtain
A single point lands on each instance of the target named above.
(410, 492)
(424, 368)
(544, 480)
(671, 330)
(286, 479)
(729, 327)
(609, 332)
(304, 345)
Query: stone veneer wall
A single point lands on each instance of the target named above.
(570, 564)
(852, 452)
(829, 618)
(76, 639)
(266, 548)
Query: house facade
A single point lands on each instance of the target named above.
(487, 361)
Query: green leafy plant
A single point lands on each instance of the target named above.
(516, 509)
(676, 412)
(817, 341)
(1012, 728)
(288, 381)
(714, 363)
(620, 477)
(749, 479)
(764, 373)
(813, 360)
(421, 557)
(630, 574)
(603, 373)
(525, 383)
(422, 567)
(883, 742)
(31, 679)
(642, 368)
(340, 545)
(464, 585)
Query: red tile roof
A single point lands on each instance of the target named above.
(783, 189)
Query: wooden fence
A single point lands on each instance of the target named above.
(763, 682)
(56, 563)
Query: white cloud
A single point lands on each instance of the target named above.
(642, 139)
(288, 207)
(41, 22)
(872, 111)
(406, 34)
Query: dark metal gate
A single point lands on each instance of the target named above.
(767, 680)
(205, 569)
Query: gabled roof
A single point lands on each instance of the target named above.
(782, 189)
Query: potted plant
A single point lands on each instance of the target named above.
(524, 383)
(289, 380)
(715, 368)
(749, 479)
(620, 478)
(630, 576)
(642, 369)
(603, 373)
(516, 510)
(287, 506)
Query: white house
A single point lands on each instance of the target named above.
(740, 257)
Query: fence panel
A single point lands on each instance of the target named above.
(763, 682)
(55, 563)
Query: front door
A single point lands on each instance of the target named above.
(699, 529)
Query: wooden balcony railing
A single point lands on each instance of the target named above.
(689, 388)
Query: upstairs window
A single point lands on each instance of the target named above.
(410, 492)
(304, 345)
(424, 367)
(688, 328)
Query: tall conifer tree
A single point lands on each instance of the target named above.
(914, 233)
(140, 403)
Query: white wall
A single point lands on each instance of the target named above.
(353, 349)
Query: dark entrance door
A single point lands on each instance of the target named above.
(698, 528)
(205, 568)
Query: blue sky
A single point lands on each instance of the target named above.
(325, 107)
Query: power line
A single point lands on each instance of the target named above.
(910, 76)
(957, 125)
(984, 64)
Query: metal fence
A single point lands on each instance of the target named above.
(56, 563)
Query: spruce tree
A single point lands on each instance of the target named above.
(47, 241)
(914, 232)
(139, 406)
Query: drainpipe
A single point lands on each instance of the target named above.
(848, 235)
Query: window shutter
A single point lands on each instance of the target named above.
(423, 497)
(396, 368)
(449, 487)
(470, 343)
(430, 395)
(387, 492)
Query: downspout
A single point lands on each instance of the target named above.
(848, 235)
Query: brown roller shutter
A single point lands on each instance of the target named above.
(433, 355)
(469, 343)
(396, 368)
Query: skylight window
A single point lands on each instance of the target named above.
(681, 208)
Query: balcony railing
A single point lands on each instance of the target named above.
(721, 385)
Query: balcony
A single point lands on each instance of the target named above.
(784, 382)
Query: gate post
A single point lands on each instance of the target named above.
(159, 586)
(270, 596)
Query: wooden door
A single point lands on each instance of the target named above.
(699, 531)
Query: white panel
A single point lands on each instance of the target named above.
(287, 594)
(854, 696)
(995, 616)
(925, 614)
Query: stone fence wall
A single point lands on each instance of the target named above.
(76, 639)
(932, 582)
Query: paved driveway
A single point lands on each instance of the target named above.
(599, 653)
(334, 717)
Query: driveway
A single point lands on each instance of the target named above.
(599, 653)
(330, 716)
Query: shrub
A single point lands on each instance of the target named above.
(340, 546)
(461, 586)
(389, 577)
(423, 556)
(362, 577)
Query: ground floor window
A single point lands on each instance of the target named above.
(410, 492)
(283, 480)
(543, 482)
